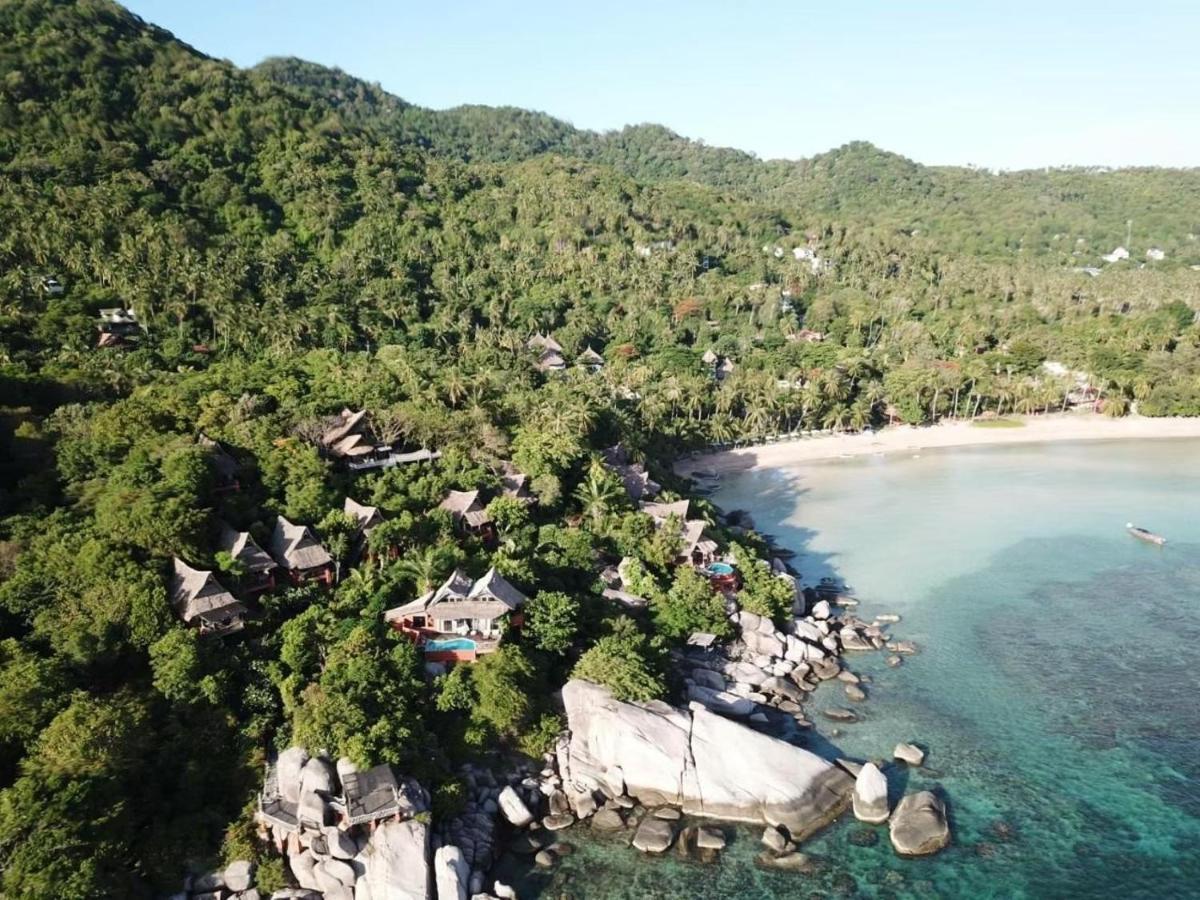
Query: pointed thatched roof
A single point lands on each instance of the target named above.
(296, 547)
(242, 547)
(197, 595)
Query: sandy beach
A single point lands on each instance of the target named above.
(909, 439)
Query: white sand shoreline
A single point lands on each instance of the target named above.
(910, 439)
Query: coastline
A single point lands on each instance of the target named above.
(958, 433)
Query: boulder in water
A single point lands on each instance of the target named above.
(654, 835)
(919, 826)
(909, 753)
(871, 795)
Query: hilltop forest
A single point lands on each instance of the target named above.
(294, 241)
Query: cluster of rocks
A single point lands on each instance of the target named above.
(918, 825)
(234, 882)
(770, 670)
(618, 757)
(472, 833)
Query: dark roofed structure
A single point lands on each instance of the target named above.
(200, 600)
(298, 551)
(241, 546)
(223, 463)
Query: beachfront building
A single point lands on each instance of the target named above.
(462, 619)
(201, 602)
(696, 548)
(299, 553)
(257, 565)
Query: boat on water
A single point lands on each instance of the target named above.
(1144, 535)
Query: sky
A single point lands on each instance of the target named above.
(974, 82)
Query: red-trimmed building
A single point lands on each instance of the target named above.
(299, 553)
(461, 620)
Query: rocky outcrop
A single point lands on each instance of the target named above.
(700, 761)
(919, 825)
(871, 795)
(397, 863)
(909, 753)
(514, 808)
(451, 873)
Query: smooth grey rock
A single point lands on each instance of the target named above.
(821, 610)
(558, 823)
(288, 767)
(807, 630)
(503, 891)
(774, 839)
(667, 814)
(848, 677)
(722, 702)
(894, 661)
(513, 808)
(919, 826)
(653, 835)
(853, 641)
(909, 753)
(303, 867)
(824, 669)
(783, 688)
(838, 714)
(763, 644)
(608, 819)
(855, 693)
(694, 759)
(871, 795)
(543, 859)
(709, 839)
(451, 873)
(903, 647)
(890, 618)
(707, 678)
(239, 875)
(791, 861)
(397, 863)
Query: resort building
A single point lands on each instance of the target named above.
(200, 601)
(300, 554)
(696, 549)
(549, 351)
(515, 485)
(350, 441)
(468, 513)
(51, 286)
(590, 360)
(224, 465)
(637, 481)
(461, 620)
(258, 565)
(118, 327)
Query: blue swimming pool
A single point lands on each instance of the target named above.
(720, 569)
(449, 644)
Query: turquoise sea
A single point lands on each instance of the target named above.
(1057, 694)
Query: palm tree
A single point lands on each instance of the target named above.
(598, 493)
(425, 568)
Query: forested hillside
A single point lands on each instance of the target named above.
(293, 242)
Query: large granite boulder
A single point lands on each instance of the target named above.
(909, 753)
(239, 875)
(397, 863)
(451, 873)
(871, 795)
(919, 825)
(288, 767)
(706, 764)
(654, 835)
(722, 702)
(514, 807)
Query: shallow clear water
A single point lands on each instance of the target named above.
(1057, 694)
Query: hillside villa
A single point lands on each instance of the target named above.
(349, 440)
(259, 567)
(300, 554)
(469, 513)
(461, 620)
(696, 549)
(201, 602)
